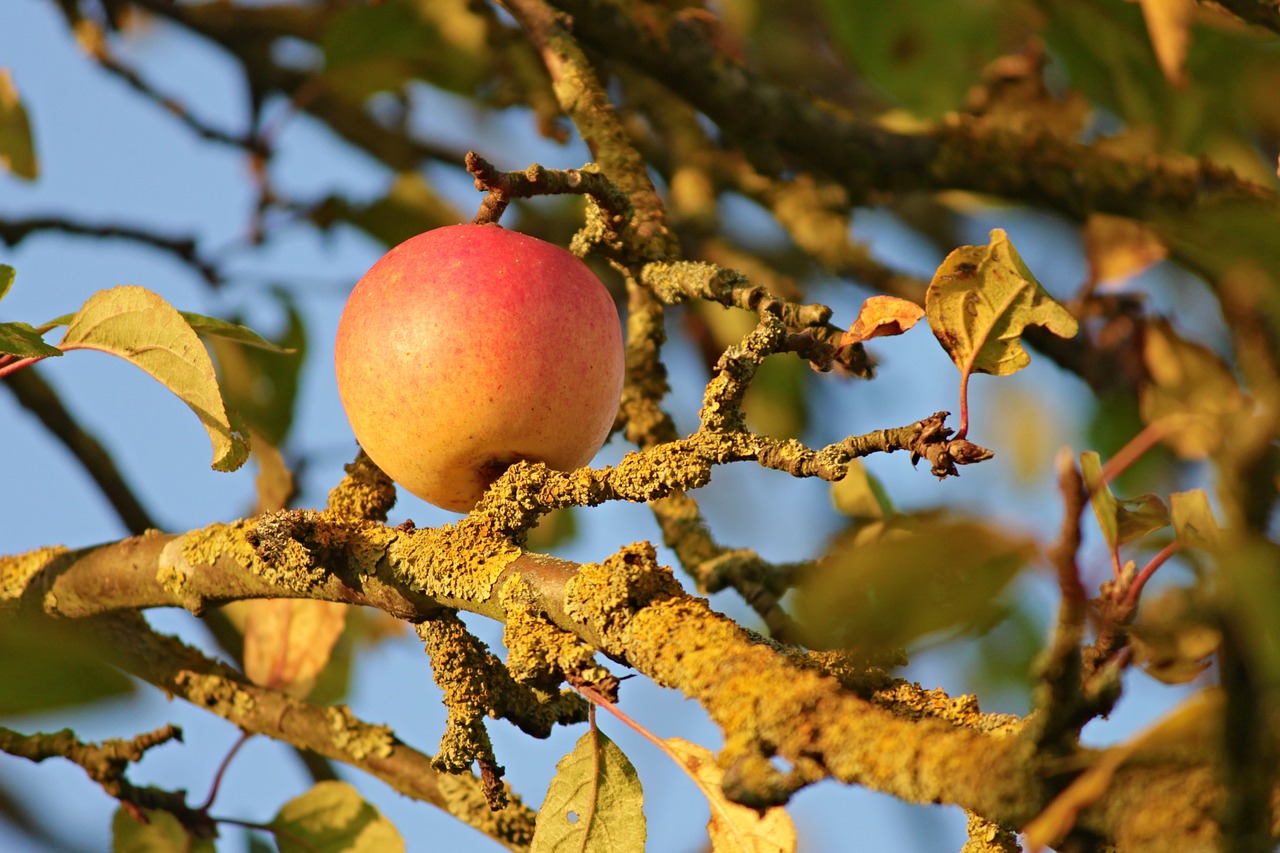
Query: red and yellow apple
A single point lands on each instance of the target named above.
(471, 347)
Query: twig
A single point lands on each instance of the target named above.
(14, 231)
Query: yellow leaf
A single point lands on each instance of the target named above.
(595, 802)
(137, 325)
(1169, 24)
(17, 154)
(733, 828)
(979, 303)
(287, 642)
(1119, 248)
(882, 316)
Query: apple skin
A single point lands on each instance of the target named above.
(471, 347)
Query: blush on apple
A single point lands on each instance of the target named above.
(471, 347)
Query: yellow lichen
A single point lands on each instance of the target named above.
(16, 571)
(461, 561)
(202, 547)
(357, 739)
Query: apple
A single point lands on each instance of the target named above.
(468, 348)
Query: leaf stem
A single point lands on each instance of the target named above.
(1135, 589)
(8, 367)
(1150, 435)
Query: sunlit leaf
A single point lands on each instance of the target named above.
(881, 316)
(734, 828)
(162, 833)
(1191, 392)
(1141, 516)
(137, 325)
(274, 483)
(1169, 23)
(1118, 248)
(979, 303)
(1121, 521)
(7, 275)
(17, 152)
(216, 328)
(332, 817)
(924, 576)
(45, 665)
(1193, 521)
(24, 341)
(594, 802)
(287, 641)
(861, 495)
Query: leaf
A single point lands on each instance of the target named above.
(594, 803)
(137, 325)
(1193, 521)
(1174, 638)
(860, 495)
(214, 327)
(882, 316)
(274, 484)
(979, 302)
(1118, 248)
(17, 153)
(287, 641)
(24, 341)
(7, 275)
(262, 384)
(1121, 521)
(46, 665)
(1190, 391)
(1192, 728)
(734, 828)
(923, 576)
(1169, 23)
(332, 817)
(162, 833)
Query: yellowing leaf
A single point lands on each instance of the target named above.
(137, 325)
(1169, 23)
(860, 495)
(1119, 248)
(733, 828)
(162, 833)
(594, 802)
(882, 316)
(1190, 391)
(979, 303)
(287, 641)
(332, 817)
(1193, 520)
(17, 154)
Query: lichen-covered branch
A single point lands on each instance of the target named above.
(331, 731)
(106, 763)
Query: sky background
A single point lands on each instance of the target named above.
(109, 156)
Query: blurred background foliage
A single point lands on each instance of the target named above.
(399, 90)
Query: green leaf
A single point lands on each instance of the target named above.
(1193, 521)
(332, 817)
(24, 341)
(924, 576)
(137, 325)
(594, 802)
(1125, 520)
(1105, 508)
(979, 303)
(262, 384)
(902, 52)
(216, 328)
(1190, 391)
(161, 834)
(46, 665)
(7, 275)
(17, 153)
